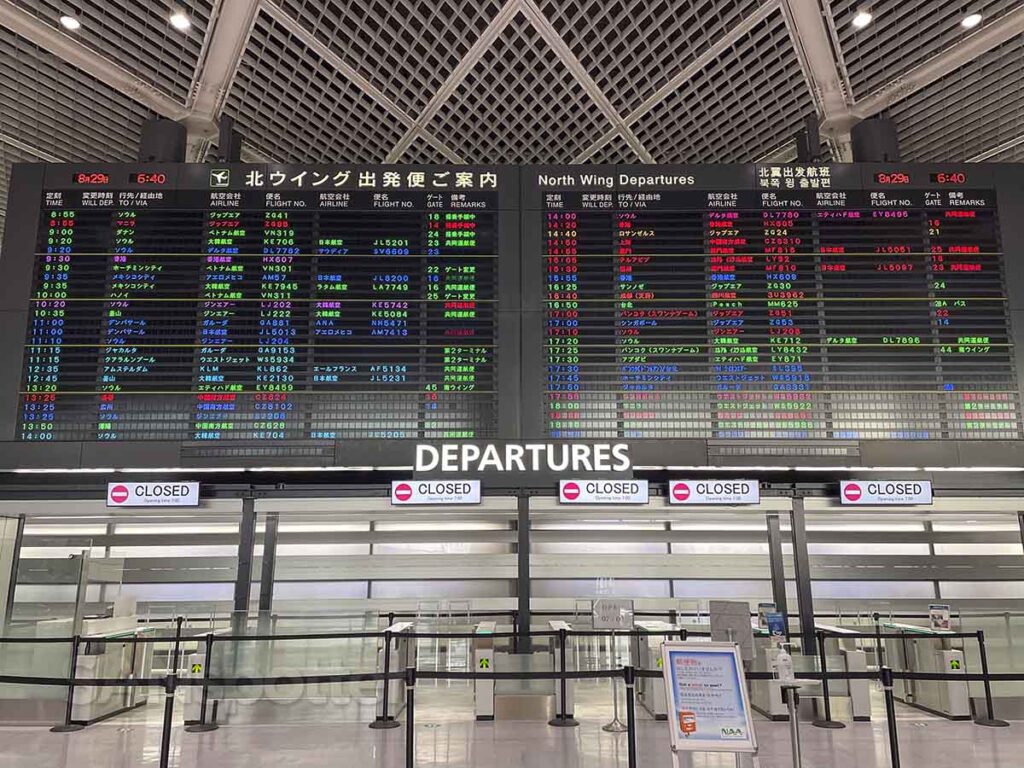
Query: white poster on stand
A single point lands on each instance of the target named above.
(707, 696)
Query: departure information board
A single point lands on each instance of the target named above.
(786, 302)
(336, 315)
(262, 303)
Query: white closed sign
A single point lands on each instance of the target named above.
(714, 492)
(602, 492)
(152, 494)
(885, 492)
(412, 492)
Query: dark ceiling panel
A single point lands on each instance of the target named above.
(294, 106)
(747, 102)
(519, 104)
(137, 36)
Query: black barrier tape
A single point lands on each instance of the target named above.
(161, 682)
(456, 635)
(899, 635)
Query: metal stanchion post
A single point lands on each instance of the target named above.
(990, 720)
(515, 631)
(410, 717)
(890, 717)
(385, 720)
(879, 651)
(67, 726)
(165, 740)
(562, 718)
(828, 722)
(791, 696)
(616, 725)
(176, 659)
(629, 676)
(203, 726)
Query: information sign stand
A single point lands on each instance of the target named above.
(709, 710)
(615, 614)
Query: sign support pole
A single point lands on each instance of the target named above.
(616, 725)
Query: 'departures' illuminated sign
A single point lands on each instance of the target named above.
(528, 457)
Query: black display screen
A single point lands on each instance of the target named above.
(777, 302)
(337, 315)
(263, 304)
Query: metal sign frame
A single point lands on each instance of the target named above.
(732, 674)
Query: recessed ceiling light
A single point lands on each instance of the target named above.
(862, 19)
(971, 20)
(180, 20)
(70, 22)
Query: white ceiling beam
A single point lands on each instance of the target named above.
(687, 73)
(813, 44)
(784, 153)
(691, 70)
(949, 60)
(606, 138)
(989, 153)
(328, 55)
(476, 51)
(573, 64)
(223, 49)
(106, 71)
(28, 149)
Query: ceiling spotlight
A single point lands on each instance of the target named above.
(70, 22)
(971, 20)
(180, 20)
(862, 19)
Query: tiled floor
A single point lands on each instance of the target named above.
(446, 735)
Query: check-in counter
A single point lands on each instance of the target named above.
(849, 698)
(112, 654)
(570, 666)
(650, 691)
(858, 692)
(922, 649)
(766, 695)
(483, 663)
(403, 656)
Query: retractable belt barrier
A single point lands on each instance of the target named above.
(409, 676)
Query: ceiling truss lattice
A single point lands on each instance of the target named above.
(549, 81)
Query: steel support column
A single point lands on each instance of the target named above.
(777, 564)
(243, 575)
(523, 572)
(12, 586)
(269, 563)
(802, 572)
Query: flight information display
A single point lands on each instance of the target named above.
(261, 303)
(786, 302)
